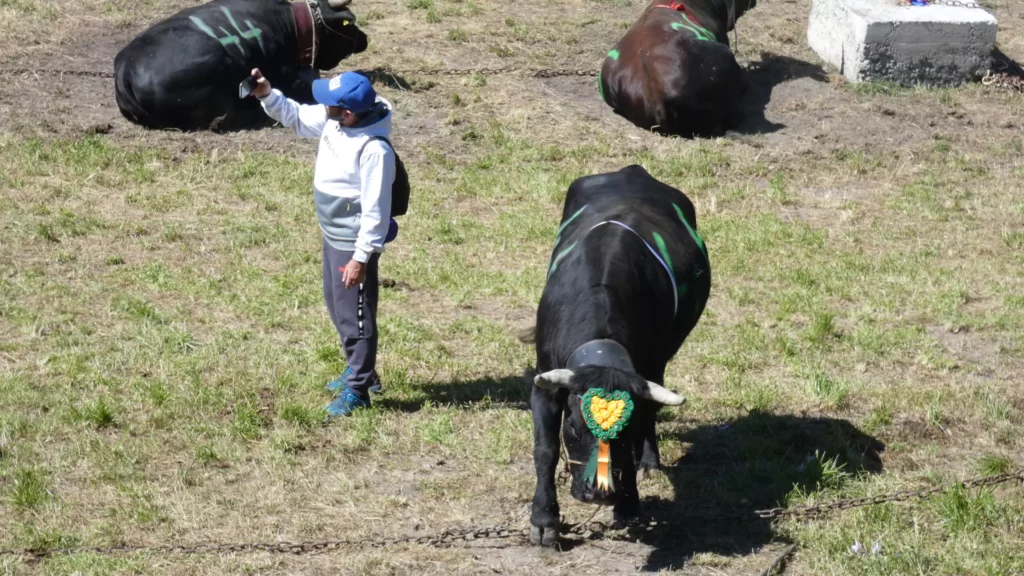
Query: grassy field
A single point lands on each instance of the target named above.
(163, 342)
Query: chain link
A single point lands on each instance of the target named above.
(535, 72)
(899, 496)
(509, 70)
(440, 540)
(47, 71)
(505, 530)
(1004, 80)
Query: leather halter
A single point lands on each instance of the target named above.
(600, 353)
(680, 7)
(305, 34)
(673, 5)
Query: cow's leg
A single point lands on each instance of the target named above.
(547, 410)
(628, 504)
(650, 458)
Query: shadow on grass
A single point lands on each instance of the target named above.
(510, 391)
(762, 78)
(748, 464)
(383, 77)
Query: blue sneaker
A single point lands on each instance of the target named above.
(341, 381)
(348, 401)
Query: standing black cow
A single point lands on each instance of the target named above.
(673, 71)
(628, 280)
(184, 71)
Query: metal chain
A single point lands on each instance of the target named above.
(38, 71)
(899, 496)
(1004, 80)
(440, 540)
(535, 72)
(504, 530)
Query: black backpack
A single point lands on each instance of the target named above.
(400, 189)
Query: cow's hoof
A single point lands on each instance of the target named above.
(646, 470)
(543, 535)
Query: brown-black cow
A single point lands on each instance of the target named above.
(673, 71)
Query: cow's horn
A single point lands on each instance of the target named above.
(553, 379)
(662, 395)
(337, 4)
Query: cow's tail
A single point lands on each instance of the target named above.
(124, 93)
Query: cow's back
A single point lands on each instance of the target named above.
(606, 282)
(183, 71)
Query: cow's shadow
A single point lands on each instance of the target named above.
(762, 78)
(751, 463)
(509, 391)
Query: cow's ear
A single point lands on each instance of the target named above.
(553, 379)
(662, 395)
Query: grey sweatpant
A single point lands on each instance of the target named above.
(354, 313)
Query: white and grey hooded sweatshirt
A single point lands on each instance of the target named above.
(354, 172)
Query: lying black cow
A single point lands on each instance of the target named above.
(628, 280)
(673, 71)
(184, 71)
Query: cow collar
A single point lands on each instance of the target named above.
(680, 7)
(305, 34)
(601, 352)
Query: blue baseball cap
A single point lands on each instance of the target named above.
(349, 90)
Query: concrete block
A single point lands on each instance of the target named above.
(885, 40)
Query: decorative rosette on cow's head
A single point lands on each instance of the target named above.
(606, 414)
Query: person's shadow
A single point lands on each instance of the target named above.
(762, 78)
(752, 463)
(510, 391)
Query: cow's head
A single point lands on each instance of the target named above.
(337, 34)
(600, 431)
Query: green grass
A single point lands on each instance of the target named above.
(30, 488)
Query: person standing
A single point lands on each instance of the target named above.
(355, 170)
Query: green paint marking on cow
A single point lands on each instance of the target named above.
(664, 251)
(693, 233)
(558, 236)
(600, 85)
(614, 54)
(683, 289)
(699, 31)
(558, 258)
(228, 38)
(249, 34)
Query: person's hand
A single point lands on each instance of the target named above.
(355, 274)
(262, 89)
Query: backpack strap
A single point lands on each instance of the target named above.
(372, 138)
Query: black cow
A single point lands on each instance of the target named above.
(628, 280)
(184, 71)
(673, 71)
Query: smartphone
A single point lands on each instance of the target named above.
(247, 86)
